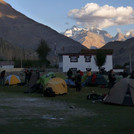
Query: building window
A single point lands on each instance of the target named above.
(87, 58)
(73, 58)
(88, 69)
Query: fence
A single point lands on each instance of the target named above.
(22, 69)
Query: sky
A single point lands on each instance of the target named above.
(109, 15)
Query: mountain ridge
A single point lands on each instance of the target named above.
(121, 51)
(25, 33)
(85, 36)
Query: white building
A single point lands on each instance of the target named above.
(83, 61)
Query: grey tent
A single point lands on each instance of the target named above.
(121, 93)
(32, 83)
(33, 79)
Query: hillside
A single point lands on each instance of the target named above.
(10, 52)
(122, 51)
(26, 33)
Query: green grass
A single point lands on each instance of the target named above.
(104, 119)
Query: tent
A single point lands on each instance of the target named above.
(95, 79)
(12, 80)
(121, 93)
(58, 85)
(45, 78)
(70, 82)
(100, 80)
(36, 85)
(33, 79)
(33, 85)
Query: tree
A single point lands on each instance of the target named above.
(43, 51)
(100, 58)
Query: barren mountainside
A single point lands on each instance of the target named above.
(26, 33)
(10, 52)
(122, 51)
(94, 40)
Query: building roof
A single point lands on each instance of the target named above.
(94, 51)
(90, 52)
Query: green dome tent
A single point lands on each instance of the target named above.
(45, 78)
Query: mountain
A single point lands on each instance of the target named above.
(88, 37)
(9, 52)
(94, 40)
(119, 37)
(95, 37)
(122, 44)
(122, 50)
(25, 33)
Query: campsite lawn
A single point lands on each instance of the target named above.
(68, 114)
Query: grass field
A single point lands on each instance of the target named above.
(69, 114)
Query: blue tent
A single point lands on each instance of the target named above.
(70, 82)
(100, 80)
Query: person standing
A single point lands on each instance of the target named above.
(38, 74)
(125, 74)
(89, 73)
(26, 76)
(78, 79)
(2, 76)
(29, 75)
(81, 73)
(112, 78)
(69, 74)
(132, 75)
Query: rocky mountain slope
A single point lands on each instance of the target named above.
(25, 33)
(11, 52)
(95, 37)
(122, 51)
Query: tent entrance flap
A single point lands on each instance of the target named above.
(128, 98)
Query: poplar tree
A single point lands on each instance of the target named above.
(43, 51)
(100, 58)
